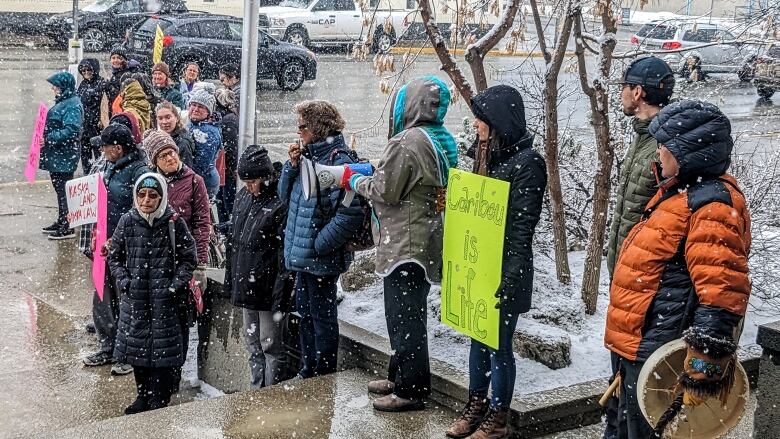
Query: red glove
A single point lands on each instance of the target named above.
(348, 173)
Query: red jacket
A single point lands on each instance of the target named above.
(187, 196)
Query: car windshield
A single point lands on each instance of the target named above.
(100, 6)
(300, 4)
(657, 31)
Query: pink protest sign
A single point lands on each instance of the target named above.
(98, 261)
(34, 155)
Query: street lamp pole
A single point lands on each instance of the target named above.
(75, 19)
(248, 98)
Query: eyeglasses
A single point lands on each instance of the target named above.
(149, 195)
(166, 154)
(302, 127)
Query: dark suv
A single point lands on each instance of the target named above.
(215, 40)
(105, 22)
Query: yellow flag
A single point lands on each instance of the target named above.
(158, 45)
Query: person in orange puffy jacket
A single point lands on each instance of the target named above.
(683, 269)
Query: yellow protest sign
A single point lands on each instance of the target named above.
(158, 45)
(474, 224)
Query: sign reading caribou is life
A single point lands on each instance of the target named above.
(82, 195)
(474, 224)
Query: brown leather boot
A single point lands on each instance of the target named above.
(495, 426)
(470, 418)
(381, 387)
(394, 403)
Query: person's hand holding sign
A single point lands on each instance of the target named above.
(105, 248)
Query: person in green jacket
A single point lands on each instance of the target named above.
(647, 84)
(61, 147)
(161, 79)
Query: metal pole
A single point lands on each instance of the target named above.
(712, 6)
(248, 104)
(75, 19)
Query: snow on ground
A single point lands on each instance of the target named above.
(553, 305)
(189, 372)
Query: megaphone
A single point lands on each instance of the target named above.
(711, 419)
(328, 177)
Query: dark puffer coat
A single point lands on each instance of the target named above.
(314, 238)
(512, 159)
(684, 265)
(255, 277)
(119, 180)
(149, 332)
(62, 132)
(91, 93)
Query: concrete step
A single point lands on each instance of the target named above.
(333, 406)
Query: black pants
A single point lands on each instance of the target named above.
(58, 180)
(624, 417)
(88, 153)
(406, 300)
(105, 314)
(154, 385)
(226, 197)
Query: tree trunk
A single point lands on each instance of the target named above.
(599, 103)
(558, 218)
(595, 250)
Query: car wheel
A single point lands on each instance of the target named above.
(747, 72)
(94, 40)
(384, 42)
(297, 36)
(291, 76)
(765, 92)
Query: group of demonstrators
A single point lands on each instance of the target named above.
(677, 252)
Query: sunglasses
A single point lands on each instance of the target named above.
(302, 127)
(149, 195)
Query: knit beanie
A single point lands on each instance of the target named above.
(118, 49)
(162, 67)
(203, 97)
(117, 134)
(226, 98)
(230, 70)
(155, 141)
(254, 163)
(149, 183)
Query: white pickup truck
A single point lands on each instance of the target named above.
(332, 23)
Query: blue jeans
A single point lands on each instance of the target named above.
(495, 368)
(212, 183)
(315, 300)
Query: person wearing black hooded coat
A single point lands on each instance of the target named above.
(255, 277)
(91, 91)
(503, 150)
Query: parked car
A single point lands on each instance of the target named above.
(106, 22)
(215, 40)
(330, 23)
(767, 72)
(672, 35)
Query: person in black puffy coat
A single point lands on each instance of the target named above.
(503, 150)
(255, 277)
(152, 258)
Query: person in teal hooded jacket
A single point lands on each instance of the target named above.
(61, 147)
(405, 192)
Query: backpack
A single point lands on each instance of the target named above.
(363, 239)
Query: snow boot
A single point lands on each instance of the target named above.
(470, 418)
(48, 230)
(98, 359)
(138, 406)
(494, 426)
(394, 403)
(381, 387)
(121, 369)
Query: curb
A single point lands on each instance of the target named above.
(494, 52)
(14, 184)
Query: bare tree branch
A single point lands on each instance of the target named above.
(447, 61)
(579, 51)
(540, 31)
(475, 54)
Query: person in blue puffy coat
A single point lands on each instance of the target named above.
(208, 138)
(61, 147)
(316, 234)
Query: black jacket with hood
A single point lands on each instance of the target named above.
(255, 277)
(91, 93)
(511, 158)
(152, 278)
